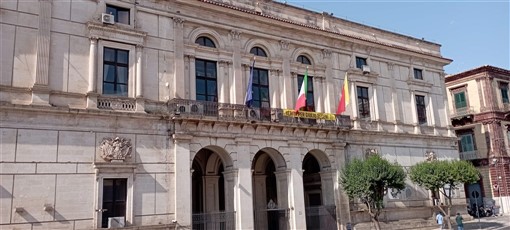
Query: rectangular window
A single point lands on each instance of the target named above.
(504, 93)
(363, 102)
(310, 102)
(418, 74)
(360, 62)
(115, 72)
(205, 73)
(260, 88)
(460, 100)
(467, 143)
(121, 15)
(421, 109)
(114, 199)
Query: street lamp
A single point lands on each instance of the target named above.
(496, 186)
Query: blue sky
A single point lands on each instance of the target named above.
(472, 33)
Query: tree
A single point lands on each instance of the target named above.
(443, 177)
(369, 180)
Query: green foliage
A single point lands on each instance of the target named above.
(368, 181)
(436, 175)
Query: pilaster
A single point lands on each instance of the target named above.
(40, 89)
(178, 81)
(236, 76)
(243, 188)
(182, 180)
(286, 91)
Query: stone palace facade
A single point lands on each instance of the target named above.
(131, 113)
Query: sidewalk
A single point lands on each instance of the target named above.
(494, 223)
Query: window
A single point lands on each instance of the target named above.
(121, 15)
(418, 74)
(260, 88)
(205, 41)
(467, 143)
(114, 199)
(310, 102)
(205, 80)
(257, 51)
(304, 60)
(420, 109)
(363, 102)
(360, 62)
(503, 87)
(115, 71)
(460, 100)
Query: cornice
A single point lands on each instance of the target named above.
(469, 73)
(116, 33)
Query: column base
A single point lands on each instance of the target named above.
(92, 100)
(140, 105)
(40, 95)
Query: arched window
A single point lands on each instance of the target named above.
(205, 41)
(257, 51)
(303, 60)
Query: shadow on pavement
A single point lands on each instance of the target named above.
(483, 225)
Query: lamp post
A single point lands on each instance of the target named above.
(497, 186)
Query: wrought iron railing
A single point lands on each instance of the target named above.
(469, 155)
(459, 112)
(272, 219)
(321, 218)
(235, 112)
(214, 221)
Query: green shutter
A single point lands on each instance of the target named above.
(460, 100)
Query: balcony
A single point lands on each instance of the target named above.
(469, 155)
(321, 217)
(214, 221)
(462, 112)
(191, 109)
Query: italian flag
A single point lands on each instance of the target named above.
(344, 98)
(301, 100)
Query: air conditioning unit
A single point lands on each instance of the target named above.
(182, 108)
(116, 222)
(107, 18)
(196, 109)
(365, 68)
(254, 114)
(394, 194)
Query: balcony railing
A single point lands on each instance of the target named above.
(459, 112)
(214, 221)
(235, 112)
(273, 219)
(321, 217)
(127, 104)
(469, 155)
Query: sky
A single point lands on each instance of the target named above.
(472, 33)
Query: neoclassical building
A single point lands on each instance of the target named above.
(132, 113)
(479, 105)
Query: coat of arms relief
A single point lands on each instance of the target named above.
(115, 149)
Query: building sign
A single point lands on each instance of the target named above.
(309, 115)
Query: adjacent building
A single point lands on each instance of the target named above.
(132, 113)
(480, 113)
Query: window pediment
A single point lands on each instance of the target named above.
(116, 33)
(419, 85)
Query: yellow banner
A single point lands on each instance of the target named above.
(310, 115)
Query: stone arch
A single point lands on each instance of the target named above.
(222, 154)
(321, 157)
(305, 52)
(213, 35)
(260, 159)
(262, 44)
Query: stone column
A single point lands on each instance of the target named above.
(354, 105)
(211, 195)
(377, 117)
(286, 91)
(236, 79)
(327, 85)
(178, 81)
(341, 199)
(432, 115)
(40, 89)
(296, 196)
(328, 181)
(394, 101)
(140, 102)
(230, 178)
(190, 82)
(274, 89)
(295, 89)
(243, 189)
(91, 90)
(223, 84)
(282, 188)
(182, 180)
(318, 94)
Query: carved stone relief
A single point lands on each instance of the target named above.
(117, 149)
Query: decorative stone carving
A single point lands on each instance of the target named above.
(284, 45)
(115, 148)
(178, 21)
(326, 53)
(235, 35)
(370, 152)
(430, 155)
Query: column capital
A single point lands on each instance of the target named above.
(235, 35)
(178, 21)
(284, 44)
(180, 138)
(326, 53)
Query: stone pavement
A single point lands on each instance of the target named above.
(494, 223)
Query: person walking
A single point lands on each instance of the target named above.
(439, 220)
(459, 219)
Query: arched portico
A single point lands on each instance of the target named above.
(270, 200)
(318, 191)
(212, 189)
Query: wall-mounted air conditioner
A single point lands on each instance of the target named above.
(116, 222)
(182, 108)
(254, 114)
(107, 18)
(196, 109)
(276, 115)
(366, 69)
